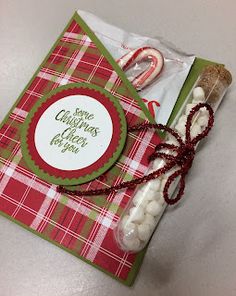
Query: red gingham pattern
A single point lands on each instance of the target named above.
(82, 225)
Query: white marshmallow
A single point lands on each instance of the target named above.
(139, 199)
(171, 171)
(145, 187)
(195, 130)
(149, 219)
(142, 199)
(157, 163)
(157, 195)
(203, 120)
(131, 244)
(161, 201)
(182, 137)
(154, 184)
(198, 94)
(167, 150)
(154, 208)
(147, 192)
(130, 230)
(182, 119)
(172, 140)
(203, 111)
(144, 232)
(189, 107)
(180, 127)
(136, 214)
(150, 170)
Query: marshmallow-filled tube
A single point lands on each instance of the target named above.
(143, 212)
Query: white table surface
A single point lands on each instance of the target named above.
(193, 251)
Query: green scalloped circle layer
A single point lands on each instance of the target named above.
(82, 179)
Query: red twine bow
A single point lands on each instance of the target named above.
(185, 153)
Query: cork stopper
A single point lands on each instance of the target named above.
(214, 80)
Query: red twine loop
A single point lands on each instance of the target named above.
(183, 158)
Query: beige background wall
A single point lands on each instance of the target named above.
(193, 252)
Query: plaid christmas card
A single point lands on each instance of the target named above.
(82, 225)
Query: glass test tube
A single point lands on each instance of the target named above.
(143, 212)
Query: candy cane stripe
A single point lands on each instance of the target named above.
(139, 55)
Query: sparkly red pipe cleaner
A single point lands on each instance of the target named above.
(185, 153)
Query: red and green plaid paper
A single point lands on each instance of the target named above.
(82, 226)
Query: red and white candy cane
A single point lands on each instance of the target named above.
(140, 55)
